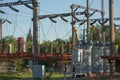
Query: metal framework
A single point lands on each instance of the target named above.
(48, 57)
(100, 19)
(61, 14)
(111, 57)
(15, 3)
(69, 14)
(82, 7)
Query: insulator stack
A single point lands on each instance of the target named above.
(70, 47)
(46, 48)
(62, 48)
(9, 48)
(20, 45)
(58, 49)
(51, 48)
(24, 47)
(4, 46)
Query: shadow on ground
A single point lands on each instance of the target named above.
(13, 77)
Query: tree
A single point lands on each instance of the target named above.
(29, 41)
(29, 36)
(18, 64)
(10, 40)
(45, 45)
(117, 39)
(98, 29)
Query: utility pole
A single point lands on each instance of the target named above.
(112, 35)
(1, 22)
(88, 20)
(102, 7)
(102, 14)
(0, 29)
(35, 35)
(73, 23)
(35, 30)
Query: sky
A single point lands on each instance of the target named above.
(21, 21)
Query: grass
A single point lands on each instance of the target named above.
(18, 76)
(27, 76)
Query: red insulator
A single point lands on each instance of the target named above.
(20, 44)
(115, 30)
(20, 39)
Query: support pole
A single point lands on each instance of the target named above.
(102, 7)
(73, 23)
(51, 48)
(62, 48)
(35, 36)
(46, 47)
(84, 34)
(88, 20)
(0, 29)
(112, 35)
(102, 14)
(35, 30)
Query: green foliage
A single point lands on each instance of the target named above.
(29, 37)
(117, 39)
(29, 46)
(28, 76)
(29, 42)
(103, 29)
(106, 30)
(18, 76)
(0, 44)
(9, 40)
(20, 65)
(45, 44)
(54, 45)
